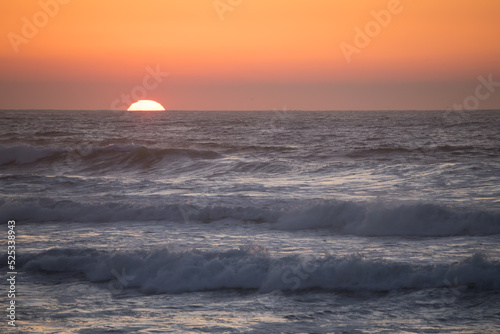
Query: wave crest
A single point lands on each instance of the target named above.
(404, 220)
(363, 219)
(251, 267)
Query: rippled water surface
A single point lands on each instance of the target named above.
(265, 222)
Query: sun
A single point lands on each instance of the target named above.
(146, 105)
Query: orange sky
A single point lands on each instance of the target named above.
(257, 54)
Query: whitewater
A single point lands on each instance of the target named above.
(253, 221)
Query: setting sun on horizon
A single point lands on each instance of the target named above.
(146, 105)
(377, 54)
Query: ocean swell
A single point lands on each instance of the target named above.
(337, 217)
(112, 155)
(251, 267)
(403, 220)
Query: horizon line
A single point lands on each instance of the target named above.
(247, 110)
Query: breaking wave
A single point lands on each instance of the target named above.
(251, 267)
(403, 220)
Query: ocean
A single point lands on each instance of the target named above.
(252, 221)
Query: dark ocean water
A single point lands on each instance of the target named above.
(266, 222)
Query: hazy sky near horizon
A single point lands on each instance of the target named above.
(250, 54)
